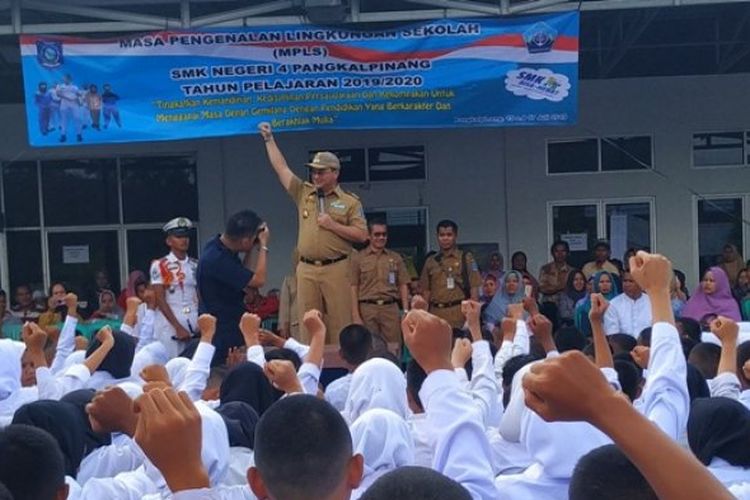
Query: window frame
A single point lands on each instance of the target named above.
(745, 149)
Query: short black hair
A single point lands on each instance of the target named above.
(510, 369)
(242, 225)
(23, 285)
(629, 378)
(602, 244)
(622, 342)
(569, 338)
(302, 457)
(284, 354)
(415, 377)
(690, 328)
(446, 223)
(626, 356)
(31, 463)
(743, 354)
(415, 482)
(705, 357)
(355, 342)
(557, 243)
(606, 472)
(376, 221)
(644, 338)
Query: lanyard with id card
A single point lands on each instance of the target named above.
(391, 272)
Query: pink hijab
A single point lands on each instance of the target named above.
(720, 302)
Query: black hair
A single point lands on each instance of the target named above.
(376, 221)
(446, 223)
(31, 463)
(355, 342)
(557, 243)
(3, 293)
(621, 342)
(415, 482)
(55, 283)
(644, 338)
(705, 357)
(119, 359)
(509, 371)
(743, 354)
(602, 244)
(302, 457)
(606, 472)
(285, 354)
(690, 328)
(626, 356)
(687, 346)
(629, 378)
(243, 224)
(569, 338)
(415, 377)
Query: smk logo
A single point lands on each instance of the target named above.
(540, 38)
(49, 53)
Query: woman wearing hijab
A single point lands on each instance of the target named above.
(116, 365)
(240, 419)
(718, 433)
(712, 297)
(376, 383)
(510, 292)
(108, 308)
(603, 283)
(12, 395)
(137, 284)
(246, 382)
(575, 290)
(384, 441)
(741, 289)
(519, 263)
(731, 262)
(64, 422)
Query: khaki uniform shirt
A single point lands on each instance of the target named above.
(553, 279)
(438, 268)
(313, 241)
(591, 269)
(378, 275)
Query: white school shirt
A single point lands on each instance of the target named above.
(626, 315)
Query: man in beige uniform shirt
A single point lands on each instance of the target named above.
(379, 281)
(330, 220)
(449, 277)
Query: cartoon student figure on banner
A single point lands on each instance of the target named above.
(110, 99)
(43, 101)
(69, 95)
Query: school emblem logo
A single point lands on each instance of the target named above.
(49, 53)
(540, 38)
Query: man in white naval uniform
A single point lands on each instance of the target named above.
(175, 286)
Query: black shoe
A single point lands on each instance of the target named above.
(62, 138)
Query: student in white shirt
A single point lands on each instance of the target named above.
(355, 346)
(629, 312)
(376, 383)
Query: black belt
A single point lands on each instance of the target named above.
(322, 262)
(378, 302)
(445, 305)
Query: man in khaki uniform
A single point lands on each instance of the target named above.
(449, 277)
(330, 220)
(379, 282)
(553, 276)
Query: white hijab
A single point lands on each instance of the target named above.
(153, 354)
(383, 439)
(177, 368)
(11, 353)
(376, 383)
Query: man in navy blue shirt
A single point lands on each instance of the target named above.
(223, 277)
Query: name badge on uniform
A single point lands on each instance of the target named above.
(305, 214)
(186, 310)
(391, 278)
(450, 283)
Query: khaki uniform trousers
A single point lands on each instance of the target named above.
(452, 315)
(327, 289)
(384, 322)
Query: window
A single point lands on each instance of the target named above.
(21, 194)
(158, 189)
(573, 156)
(624, 223)
(392, 163)
(25, 255)
(626, 153)
(606, 154)
(719, 149)
(719, 223)
(80, 192)
(75, 258)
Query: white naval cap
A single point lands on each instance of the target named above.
(179, 226)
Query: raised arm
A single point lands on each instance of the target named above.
(275, 156)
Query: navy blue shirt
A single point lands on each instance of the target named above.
(221, 287)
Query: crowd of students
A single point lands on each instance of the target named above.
(524, 410)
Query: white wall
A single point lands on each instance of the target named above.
(468, 169)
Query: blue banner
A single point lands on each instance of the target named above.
(165, 85)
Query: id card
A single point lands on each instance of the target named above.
(391, 278)
(450, 283)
